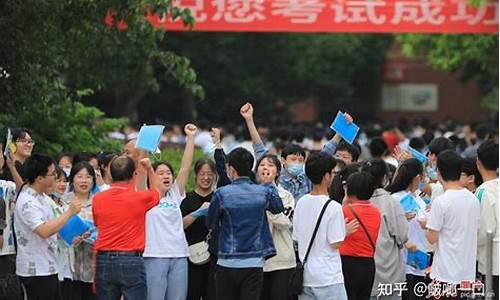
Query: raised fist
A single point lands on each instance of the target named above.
(190, 129)
(145, 163)
(246, 111)
(215, 134)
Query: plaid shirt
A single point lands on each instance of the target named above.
(297, 185)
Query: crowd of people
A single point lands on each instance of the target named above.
(398, 214)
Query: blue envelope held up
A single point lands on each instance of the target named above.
(347, 131)
(418, 259)
(73, 228)
(416, 154)
(409, 204)
(149, 137)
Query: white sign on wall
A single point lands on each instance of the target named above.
(416, 97)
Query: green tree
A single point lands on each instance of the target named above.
(475, 56)
(53, 50)
(336, 70)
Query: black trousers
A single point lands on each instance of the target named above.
(275, 286)
(238, 283)
(67, 289)
(42, 287)
(495, 285)
(359, 273)
(201, 281)
(10, 285)
(411, 282)
(83, 291)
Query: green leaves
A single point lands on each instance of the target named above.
(61, 52)
(475, 55)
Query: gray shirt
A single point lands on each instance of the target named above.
(393, 234)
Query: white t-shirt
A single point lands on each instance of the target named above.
(164, 230)
(436, 190)
(416, 234)
(36, 256)
(455, 215)
(8, 196)
(487, 193)
(323, 266)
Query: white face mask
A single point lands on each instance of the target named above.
(67, 171)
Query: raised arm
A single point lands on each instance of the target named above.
(246, 112)
(147, 168)
(220, 159)
(187, 158)
(11, 164)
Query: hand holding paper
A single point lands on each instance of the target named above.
(75, 206)
(344, 126)
(73, 229)
(149, 137)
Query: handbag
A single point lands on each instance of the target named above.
(296, 284)
(198, 252)
(362, 226)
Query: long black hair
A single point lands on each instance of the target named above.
(405, 173)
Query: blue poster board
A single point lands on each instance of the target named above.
(347, 131)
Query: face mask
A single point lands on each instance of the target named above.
(295, 169)
(421, 186)
(431, 173)
(67, 171)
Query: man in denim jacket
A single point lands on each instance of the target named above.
(244, 238)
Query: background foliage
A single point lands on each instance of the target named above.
(475, 56)
(60, 59)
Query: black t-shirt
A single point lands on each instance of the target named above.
(198, 231)
(6, 175)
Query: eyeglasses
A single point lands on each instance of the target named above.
(53, 174)
(210, 174)
(25, 141)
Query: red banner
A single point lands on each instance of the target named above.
(422, 16)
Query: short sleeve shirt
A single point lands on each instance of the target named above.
(455, 215)
(198, 231)
(323, 265)
(36, 256)
(164, 228)
(119, 215)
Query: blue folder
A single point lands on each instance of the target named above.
(347, 131)
(73, 228)
(409, 204)
(418, 259)
(149, 137)
(416, 154)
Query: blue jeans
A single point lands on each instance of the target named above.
(329, 292)
(167, 278)
(118, 275)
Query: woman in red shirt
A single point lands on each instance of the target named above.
(358, 249)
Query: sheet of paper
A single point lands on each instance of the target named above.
(347, 131)
(149, 137)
